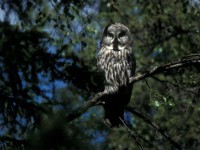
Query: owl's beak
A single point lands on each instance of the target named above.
(115, 44)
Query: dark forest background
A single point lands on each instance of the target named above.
(48, 69)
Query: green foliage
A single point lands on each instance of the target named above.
(46, 44)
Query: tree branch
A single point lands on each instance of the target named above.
(132, 134)
(162, 132)
(83, 108)
(185, 61)
(188, 60)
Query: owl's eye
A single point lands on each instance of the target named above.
(121, 34)
(110, 35)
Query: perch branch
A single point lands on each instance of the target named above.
(83, 108)
(188, 60)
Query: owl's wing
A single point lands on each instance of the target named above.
(99, 61)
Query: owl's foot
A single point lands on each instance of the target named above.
(107, 123)
(110, 125)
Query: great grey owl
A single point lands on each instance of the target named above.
(116, 59)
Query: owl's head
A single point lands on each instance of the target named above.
(116, 35)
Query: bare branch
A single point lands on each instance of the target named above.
(145, 119)
(186, 61)
(133, 135)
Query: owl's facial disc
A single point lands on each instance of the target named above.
(116, 37)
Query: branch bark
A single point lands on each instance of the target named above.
(188, 60)
(185, 61)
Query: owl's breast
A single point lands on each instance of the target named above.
(109, 47)
(121, 47)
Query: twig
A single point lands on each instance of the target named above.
(184, 89)
(176, 85)
(131, 132)
(162, 132)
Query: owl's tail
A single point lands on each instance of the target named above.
(114, 107)
(114, 114)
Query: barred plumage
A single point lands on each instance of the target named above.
(116, 60)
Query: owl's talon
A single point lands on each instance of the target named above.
(101, 103)
(107, 123)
